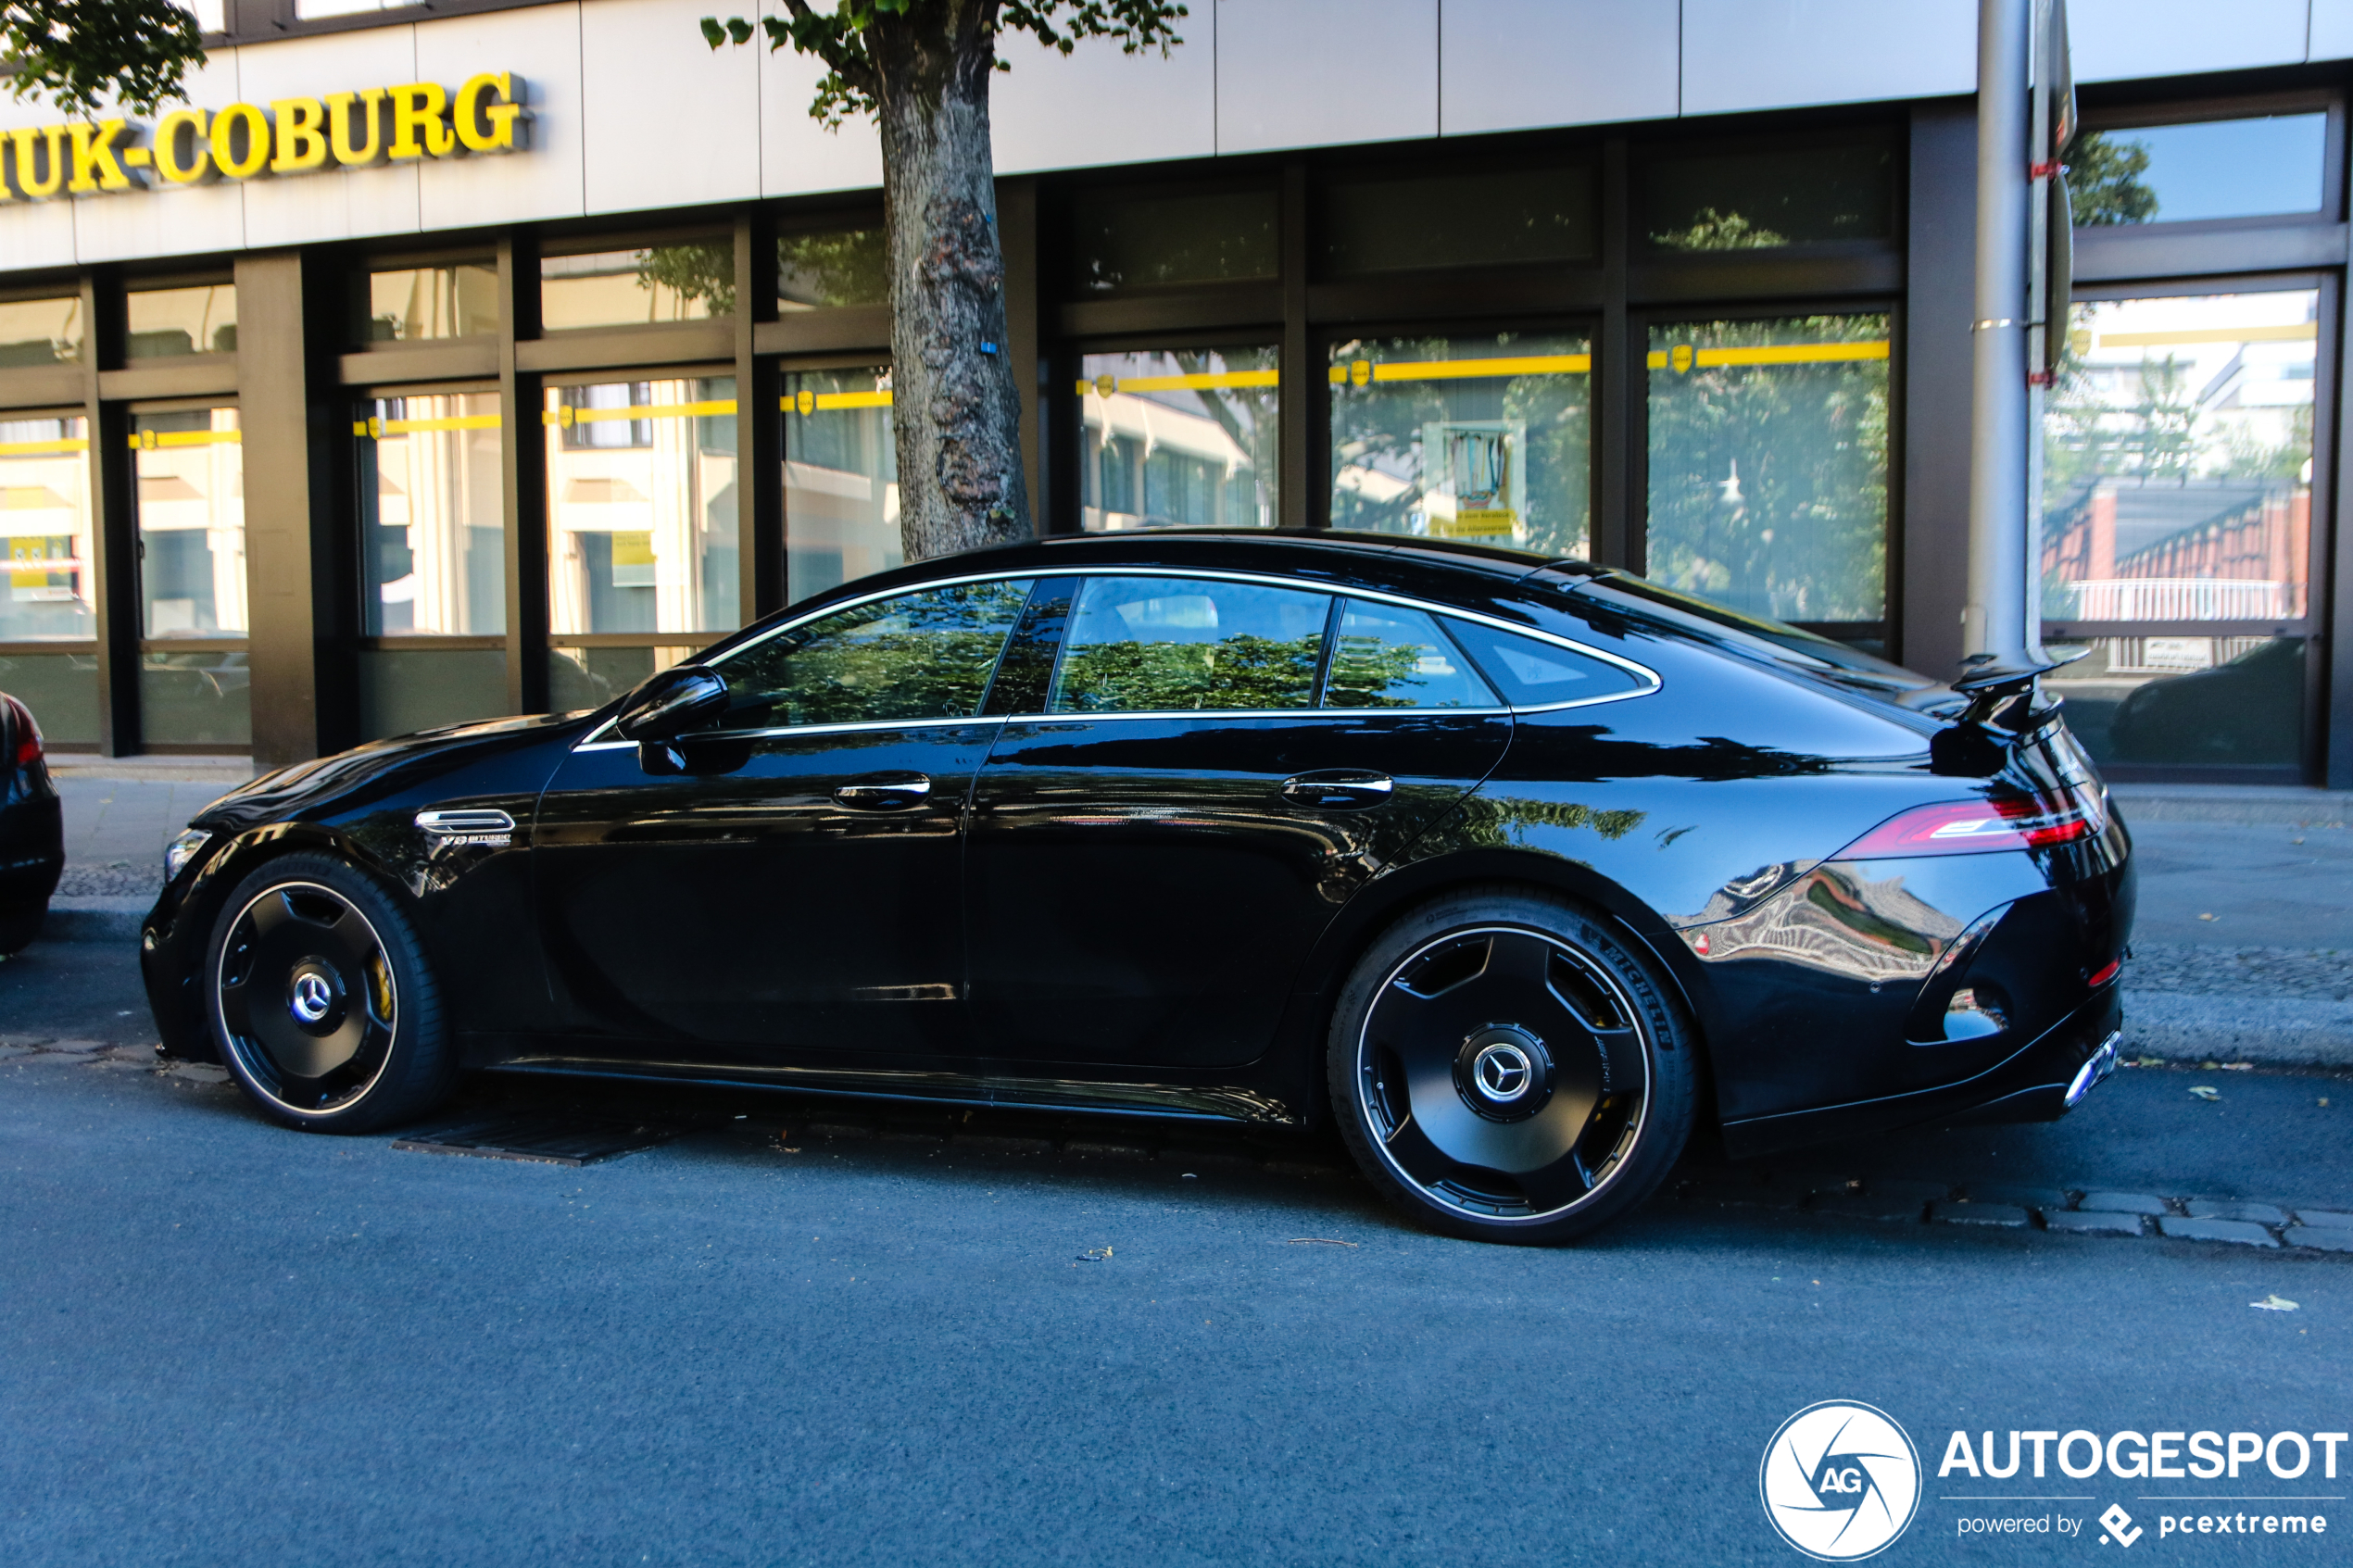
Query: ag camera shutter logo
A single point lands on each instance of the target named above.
(1841, 1481)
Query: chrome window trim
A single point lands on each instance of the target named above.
(1651, 678)
(846, 727)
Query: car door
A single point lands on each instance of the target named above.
(787, 881)
(1182, 799)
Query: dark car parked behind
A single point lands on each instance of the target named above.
(1518, 868)
(33, 850)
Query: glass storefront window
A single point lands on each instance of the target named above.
(1501, 218)
(403, 690)
(161, 322)
(831, 269)
(40, 332)
(433, 556)
(1120, 240)
(419, 304)
(841, 478)
(195, 697)
(192, 523)
(2213, 168)
(642, 513)
(1185, 438)
(2187, 701)
(688, 281)
(44, 527)
(1767, 458)
(60, 688)
(1465, 438)
(1768, 197)
(2177, 466)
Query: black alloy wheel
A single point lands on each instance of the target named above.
(1508, 1068)
(322, 1006)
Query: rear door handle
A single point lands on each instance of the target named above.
(1338, 789)
(884, 792)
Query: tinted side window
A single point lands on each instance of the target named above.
(1533, 673)
(920, 656)
(1157, 644)
(1391, 658)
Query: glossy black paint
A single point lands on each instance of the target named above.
(32, 848)
(1156, 911)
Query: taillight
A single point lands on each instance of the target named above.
(1977, 827)
(28, 734)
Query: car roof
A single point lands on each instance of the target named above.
(1330, 559)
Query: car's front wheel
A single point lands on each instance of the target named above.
(1509, 1067)
(322, 1004)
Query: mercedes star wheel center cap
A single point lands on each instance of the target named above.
(310, 997)
(1504, 1073)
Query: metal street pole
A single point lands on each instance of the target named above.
(1994, 619)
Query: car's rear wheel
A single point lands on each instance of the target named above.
(1508, 1066)
(323, 1007)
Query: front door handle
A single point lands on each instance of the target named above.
(884, 792)
(1338, 789)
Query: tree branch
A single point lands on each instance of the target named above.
(85, 53)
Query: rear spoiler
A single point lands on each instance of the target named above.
(2001, 691)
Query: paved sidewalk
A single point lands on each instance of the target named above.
(2243, 950)
(119, 814)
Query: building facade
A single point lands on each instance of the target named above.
(439, 362)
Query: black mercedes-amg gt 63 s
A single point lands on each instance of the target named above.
(1517, 867)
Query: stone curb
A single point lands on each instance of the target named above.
(2073, 1210)
(2279, 1031)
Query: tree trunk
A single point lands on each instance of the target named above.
(959, 413)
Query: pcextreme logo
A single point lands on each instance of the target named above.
(1841, 1481)
(412, 121)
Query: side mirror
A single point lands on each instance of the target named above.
(673, 702)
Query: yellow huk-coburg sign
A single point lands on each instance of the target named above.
(414, 121)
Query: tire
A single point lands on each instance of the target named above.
(1506, 1065)
(19, 926)
(320, 1001)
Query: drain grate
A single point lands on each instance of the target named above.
(547, 1140)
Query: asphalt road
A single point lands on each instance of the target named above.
(762, 1344)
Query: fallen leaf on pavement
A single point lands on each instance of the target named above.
(2273, 1304)
(2206, 917)
(2150, 1062)
(2238, 1067)
(1095, 1255)
(2205, 1092)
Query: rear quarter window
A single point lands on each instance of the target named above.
(1534, 673)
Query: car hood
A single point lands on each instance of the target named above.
(307, 789)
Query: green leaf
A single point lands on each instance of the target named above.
(739, 30)
(712, 32)
(82, 54)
